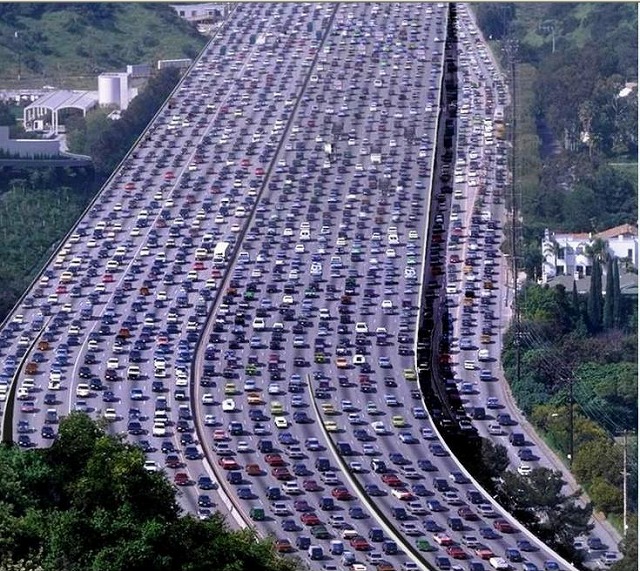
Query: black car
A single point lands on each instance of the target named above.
(109, 396)
(47, 432)
(85, 372)
(24, 440)
(191, 453)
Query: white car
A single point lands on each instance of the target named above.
(274, 389)
(469, 366)
(159, 429)
(110, 414)
(82, 390)
(150, 466)
(525, 469)
(379, 427)
(281, 422)
(228, 405)
(362, 327)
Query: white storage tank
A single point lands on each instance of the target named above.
(109, 89)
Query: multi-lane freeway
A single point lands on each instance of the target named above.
(242, 298)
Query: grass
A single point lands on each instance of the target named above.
(70, 53)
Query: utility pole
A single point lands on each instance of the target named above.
(511, 48)
(17, 37)
(570, 455)
(625, 525)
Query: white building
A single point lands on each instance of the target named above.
(211, 11)
(567, 254)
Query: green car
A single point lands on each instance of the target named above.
(319, 532)
(423, 544)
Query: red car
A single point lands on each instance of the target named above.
(274, 460)
(456, 552)
(229, 464)
(282, 474)
(359, 543)
(253, 470)
(341, 493)
(468, 514)
(310, 518)
(284, 546)
(503, 526)
(392, 480)
(483, 552)
(311, 486)
(181, 479)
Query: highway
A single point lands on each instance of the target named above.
(275, 379)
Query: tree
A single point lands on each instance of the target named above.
(88, 503)
(617, 314)
(537, 501)
(594, 301)
(607, 312)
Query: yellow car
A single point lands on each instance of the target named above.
(397, 421)
(277, 408)
(330, 426)
(328, 408)
(230, 389)
(410, 374)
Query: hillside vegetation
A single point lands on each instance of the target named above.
(576, 148)
(62, 43)
(87, 503)
(573, 59)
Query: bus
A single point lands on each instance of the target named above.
(220, 252)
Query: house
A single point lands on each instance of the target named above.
(569, 254)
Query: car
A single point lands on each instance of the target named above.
(550, 565)
(513, 555)
(311, 485)
(483, 551)
(443, 539)
(503, 526)
(284, 546)
(427, 433)
(488, 533)
(457, 552)
(374, 490)
(181, 479)
(595, 544)
(290, 525)
(359, 543)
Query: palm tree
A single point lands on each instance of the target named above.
(598, 249)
